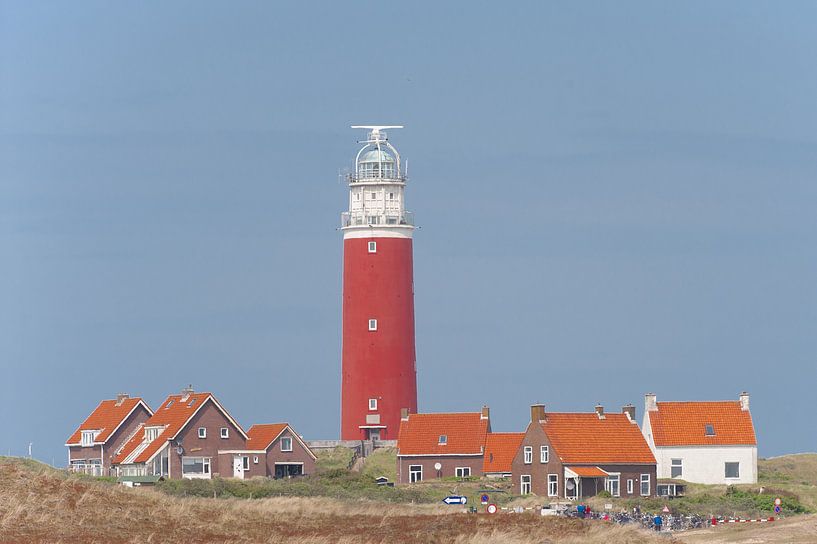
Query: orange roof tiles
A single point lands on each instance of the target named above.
(106, 418)
(261, 436)
(684, 424)
(588, 472)
(584, 438)
(500, 449)
(420, 434)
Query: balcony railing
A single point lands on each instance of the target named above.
(348, 219)
(374, 177)
(88, 468)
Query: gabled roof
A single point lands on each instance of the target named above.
(106, 418)
(500, 449)
(262, 436)
(464, 432)
(684, 424)
(173, 416)
(584, 438)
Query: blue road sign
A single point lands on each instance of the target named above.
(484, 499)
(455, 499)
(777, 509)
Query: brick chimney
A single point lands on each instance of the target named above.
(629, 411)
(120, 398)
(537, 413)
(744, 401)
(486, 413)
(650, 402)
(600, 411)
(404, 413)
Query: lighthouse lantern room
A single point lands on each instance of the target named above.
(378, 358)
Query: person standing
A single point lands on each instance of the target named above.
(658, 522)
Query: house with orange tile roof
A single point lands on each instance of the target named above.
(574, 455)
(500, 449)
(183, 439)
(91, 447)
(702, 442)
(441, 445)
(274, 450)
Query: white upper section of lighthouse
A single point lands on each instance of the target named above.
(377, 190)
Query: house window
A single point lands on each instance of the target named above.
(676, 469)
(286, 443)
(245, 462)
(391, 196)
(373, 324)
(87, 438)
(372, 247)
(612, 484)
(544, 454)
(372, 404)
(443, 440)
(553, 485)
(528, 455)
(645, 485)
(415, 473)
(709, 429)
(152, 433)
(732, 470)
(225, 432)
(202, 432)
(462, 472)
(255, 459)
(196, 466)
(524, 487)
(630, 486)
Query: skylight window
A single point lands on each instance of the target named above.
(169, 403)
(191, 403)
(709, 429)
(443, 439)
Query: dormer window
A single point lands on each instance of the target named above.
(709, 429)
(88, 437)
(443, 440)
(152, 433)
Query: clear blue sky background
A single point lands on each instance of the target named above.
(615, 198)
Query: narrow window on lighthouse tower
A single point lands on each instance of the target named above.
(373, 324)
(372, 404)
(372, 247)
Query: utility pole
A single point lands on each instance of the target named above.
(29, 449)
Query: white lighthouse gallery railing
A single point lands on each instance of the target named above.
(348, 219)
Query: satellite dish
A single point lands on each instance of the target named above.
(180, 450)
(438, 466)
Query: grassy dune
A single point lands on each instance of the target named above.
(38, 504)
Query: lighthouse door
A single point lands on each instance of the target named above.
(374, 434)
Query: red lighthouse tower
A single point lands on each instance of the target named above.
(379, 377)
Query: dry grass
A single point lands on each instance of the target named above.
(799, 530)
(38, 505)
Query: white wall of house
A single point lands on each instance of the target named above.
(706, 464)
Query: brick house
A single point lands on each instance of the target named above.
(701, 442)
(578, 455)
(441, 445)
(500, 449)
(92, 446)
(275, 451)
(182, 439)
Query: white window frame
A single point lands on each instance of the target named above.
(442, 440)
(528, 453)
(202, 433)
(462, 472)
(525, 484)
(415, 473)
(245, 462)
(544, 454)
(645, 479)
(205, 463)
(286, 440)
(255, 459)
(372, 247)
(372, 324)
(725, 470)
(679, 465)
(553, 485)
(87, 438)
(630, 486)
(225, 432)
(372, 404)
(612, 484)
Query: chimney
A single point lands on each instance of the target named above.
(650, 402)
(186, 392)
(404, 413)
(120, 398)
(537, 413)
(744, 401)
(600, 411)
(486, 413)
(629, 411)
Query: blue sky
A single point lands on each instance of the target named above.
(615, 198)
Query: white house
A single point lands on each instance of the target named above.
(702, 442)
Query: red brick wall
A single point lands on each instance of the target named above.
(449, 465)
(298, 455)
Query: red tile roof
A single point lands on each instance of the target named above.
(588, 472)
(173, 415)
(106, 418)
(500, 449)
(585, 439)
(420, 434)
(261, 436)
(684, 424)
